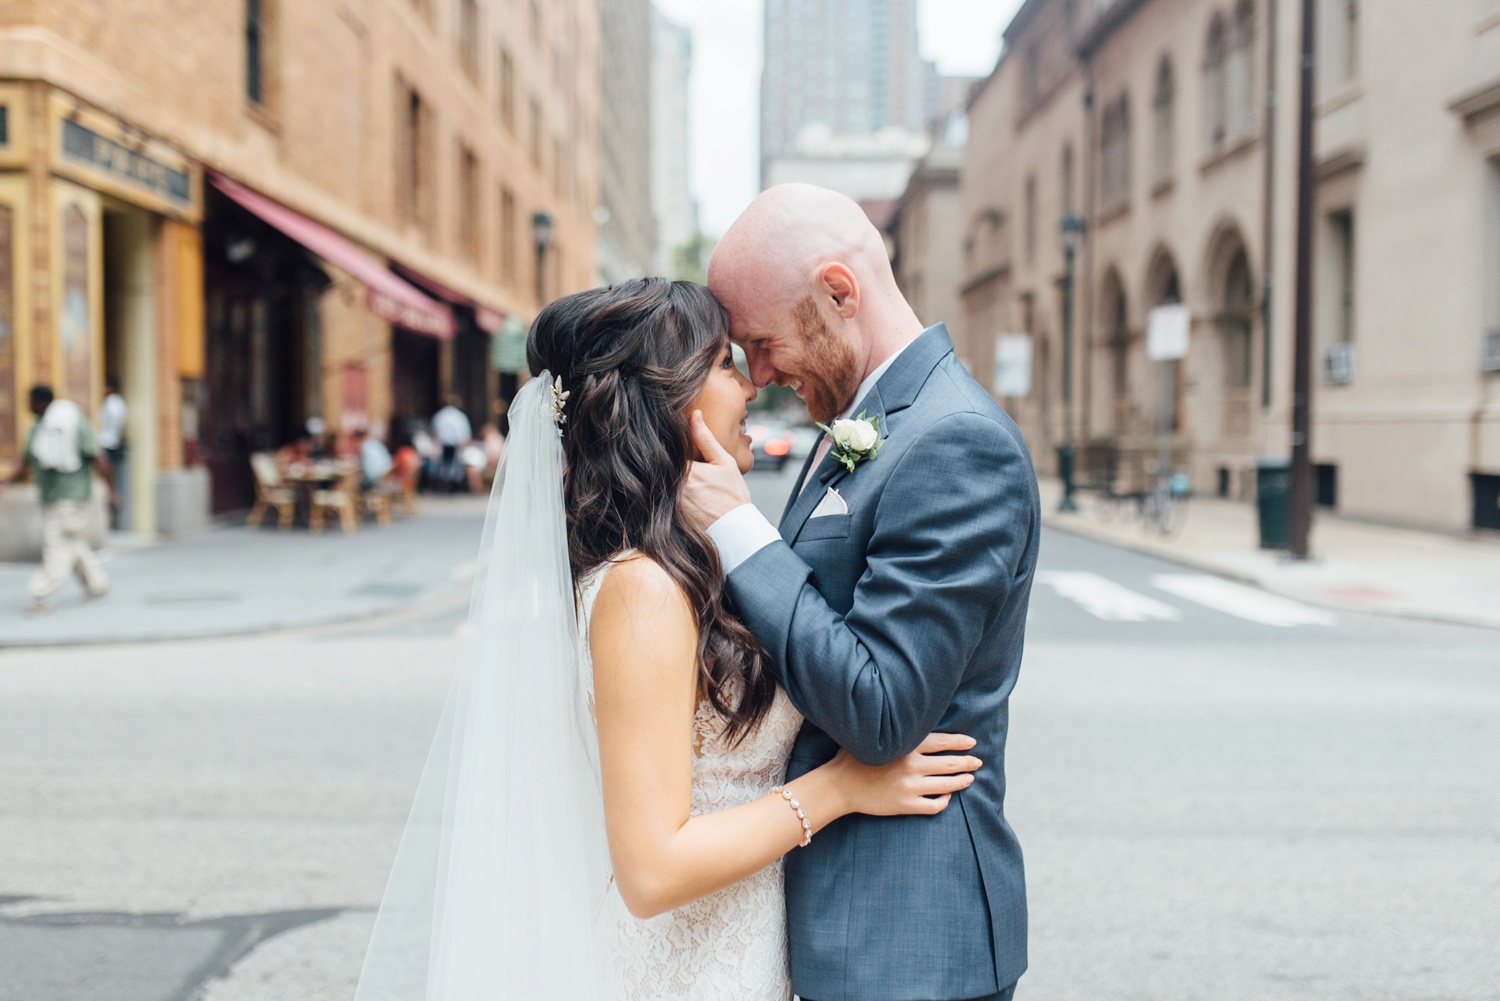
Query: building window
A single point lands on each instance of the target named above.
(1032, 76)
(1029, 220)
(1215, 88)
(1240, 78)
(1237, 322)
(468, 201)
(1070, 204)
(468, 36)
(1341, 231)
(508, 236)
(507, 90)
(536, 21)
(255, 51)
(412, 157)
(559, 167)
(1163, 114)
(536, 133)
(1114, 155)
(1339, 23)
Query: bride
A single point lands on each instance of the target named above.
(602, 815)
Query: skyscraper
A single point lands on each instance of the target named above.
(844, 84)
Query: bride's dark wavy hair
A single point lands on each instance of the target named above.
(634, 357)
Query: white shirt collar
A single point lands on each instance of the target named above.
(871, 380)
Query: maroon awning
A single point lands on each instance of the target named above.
(489, 320)
(387, 295)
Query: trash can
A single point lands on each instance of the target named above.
(1273, 492)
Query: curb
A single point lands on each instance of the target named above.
(1146, 548)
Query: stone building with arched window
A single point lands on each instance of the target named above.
(1199, 208)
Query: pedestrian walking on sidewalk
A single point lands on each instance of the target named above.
(62, 454)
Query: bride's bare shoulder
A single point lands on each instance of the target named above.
(639, 593)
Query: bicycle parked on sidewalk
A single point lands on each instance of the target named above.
(1159, 503)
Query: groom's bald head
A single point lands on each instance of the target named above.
(810, 293)
(778, 243)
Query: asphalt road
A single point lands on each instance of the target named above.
(1221, 796)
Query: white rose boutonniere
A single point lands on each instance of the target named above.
(855, 439)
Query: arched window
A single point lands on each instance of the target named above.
(1236, 322)
(1214, 85)
(1240, 79)
(1163, 113)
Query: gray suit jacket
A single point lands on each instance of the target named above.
(903, 617)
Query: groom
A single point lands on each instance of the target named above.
(892, 597)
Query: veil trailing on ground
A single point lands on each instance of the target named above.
(503, 864)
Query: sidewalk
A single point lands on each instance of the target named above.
(233, 580)
(1356, 567)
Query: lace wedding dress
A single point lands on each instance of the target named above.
(731, 945)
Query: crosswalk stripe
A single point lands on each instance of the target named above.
(1104, 599)
(1241, 601)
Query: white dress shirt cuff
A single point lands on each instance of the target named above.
(741, 534)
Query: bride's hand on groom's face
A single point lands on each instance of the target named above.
(715, 486)
(923, 782)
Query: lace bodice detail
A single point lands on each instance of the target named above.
(731, 945)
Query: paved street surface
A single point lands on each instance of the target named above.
(1223, 794)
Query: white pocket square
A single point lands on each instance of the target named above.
(831, 504)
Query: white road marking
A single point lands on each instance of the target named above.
(1104, 599)
(1242, 601)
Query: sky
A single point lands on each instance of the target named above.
(963, 36)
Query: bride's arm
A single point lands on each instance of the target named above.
(643, 637)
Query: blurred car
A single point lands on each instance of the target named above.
(771, 442)
(804, 439)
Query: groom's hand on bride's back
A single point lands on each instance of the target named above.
(714, 486)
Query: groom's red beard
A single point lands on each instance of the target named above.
(830, 372)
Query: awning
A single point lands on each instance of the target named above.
(489, 320)
(387, 295)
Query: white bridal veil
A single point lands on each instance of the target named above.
(503, 863)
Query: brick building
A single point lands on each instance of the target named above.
(263, 211)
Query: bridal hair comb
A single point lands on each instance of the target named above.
(559, 400)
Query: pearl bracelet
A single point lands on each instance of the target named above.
(806, 824)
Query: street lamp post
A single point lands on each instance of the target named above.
(541, 236)
(1073, 228)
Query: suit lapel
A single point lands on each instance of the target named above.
(829, 472)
